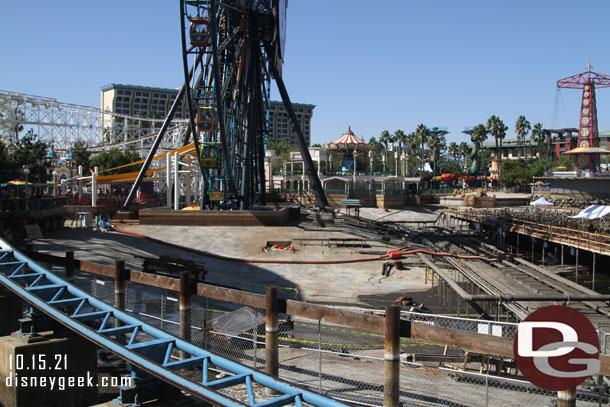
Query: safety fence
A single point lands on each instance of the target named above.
(344, 362)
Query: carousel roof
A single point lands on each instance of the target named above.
(348, 143)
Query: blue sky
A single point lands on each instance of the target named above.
(371, 65)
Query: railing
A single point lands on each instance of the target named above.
(582, 239)
(32, 204)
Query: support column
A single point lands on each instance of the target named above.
(69, 267)
(562, 255)
(392, 357)
(271, 334)
(168, 179)
(186, 289)
(176, 181)
(119, 285)
(94, 187)
(187, 181)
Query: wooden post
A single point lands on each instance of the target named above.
(119, 285)
(119, 292)
(186, 289)
(576, 278)
(562, 254)
(271, 335)
(391, 356)
(69, 266)
(566, 398)
(593, 282)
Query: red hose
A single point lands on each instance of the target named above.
(286, 261)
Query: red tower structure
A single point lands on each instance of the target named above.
(587, 151)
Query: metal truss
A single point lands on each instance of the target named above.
(63, 124)
(145, 347)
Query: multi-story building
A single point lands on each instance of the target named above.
(132, 100)
(280, 125)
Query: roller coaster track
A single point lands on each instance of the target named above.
(142, 345)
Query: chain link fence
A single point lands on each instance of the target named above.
(347, 363)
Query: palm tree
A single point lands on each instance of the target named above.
(401, 138)
(522, 128)
(436, 143)
(539, 137)
(497, 129)
(453, 150)
(479, 134)
(464, 150)
(411, 144)
(384, 139)
(423, 134)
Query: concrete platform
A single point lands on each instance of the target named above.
(346, 283)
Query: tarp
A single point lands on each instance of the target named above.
(541, 202)
(593, 212)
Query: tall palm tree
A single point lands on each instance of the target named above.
(479, 134)
(384, 139)
(411, 144)
(522, 128)
(453, 150)
(436, 143)
(539, 137)
(497, 129)
(423, 134)
(464, 149)
(401, 138)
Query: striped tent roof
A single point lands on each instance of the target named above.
(348, 138)
(348, 143)
(587, 150)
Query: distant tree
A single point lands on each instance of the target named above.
(464, 149)
(479, 135)
(114, 158)
(29, 152)
(282, 149)
(411, 144)
(385, 138)
(423, 134)
(436, 143)
(400, 138)
(497, 129)
(522, 128)
(514, 172)
(539, 137)
(453, 151)
(81, 155)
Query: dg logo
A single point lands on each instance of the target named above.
(557, 348)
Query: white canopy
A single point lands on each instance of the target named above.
(593, 212)
(541, 202)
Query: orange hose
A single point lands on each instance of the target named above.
(286, 261)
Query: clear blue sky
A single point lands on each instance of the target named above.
(373, 65)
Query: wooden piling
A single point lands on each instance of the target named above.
(271, 334)
(391, 356)
(566, 398)
(186, 289)
(69, 266)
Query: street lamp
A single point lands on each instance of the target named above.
(26, 172)
(54, 184)
(355, 154)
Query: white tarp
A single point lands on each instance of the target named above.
(541, 202)
(593, 212)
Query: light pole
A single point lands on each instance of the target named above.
(355, 154)
(371, 160)
(54, 184)
(26, 172)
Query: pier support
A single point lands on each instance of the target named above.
(271, 334)
(392, 357)
(566, 398)
(186, 289)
